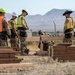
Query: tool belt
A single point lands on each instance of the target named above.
(69, 30)
(13, 34)
(22, 32)
(3, 35)
(68, 33)
(21, 28)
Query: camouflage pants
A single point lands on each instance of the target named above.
(22, 38)
(69, 40)
(3, 43)
(23, 43)
(15, 43)
(3, 40)
(8, 42)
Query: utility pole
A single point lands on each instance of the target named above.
(54, 28)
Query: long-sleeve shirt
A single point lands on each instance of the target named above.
(6, 26)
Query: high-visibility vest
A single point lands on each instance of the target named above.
(19, 24)
(15, 25)
(70, 23)
(1, 26)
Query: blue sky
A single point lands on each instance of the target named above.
(36, 6)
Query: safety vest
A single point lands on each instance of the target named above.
(70, 23)
(15, 24)
(19, 24)
(1, 26)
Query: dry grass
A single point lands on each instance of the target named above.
(33, 47)
(44, 66)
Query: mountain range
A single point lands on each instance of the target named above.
(47, 21)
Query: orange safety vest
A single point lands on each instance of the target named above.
(1, 26)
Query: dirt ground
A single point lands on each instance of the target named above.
(41, 65)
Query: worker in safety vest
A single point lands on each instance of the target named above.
(5, 32)
(40, 40)
(22, 27)
(68, 27)
(14, 33)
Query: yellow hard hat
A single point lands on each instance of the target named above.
(2, 10)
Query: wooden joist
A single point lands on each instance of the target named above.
(7, 55)
(64, 52)
(10, 60)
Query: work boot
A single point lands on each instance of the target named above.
(26, 51)
(22, 53)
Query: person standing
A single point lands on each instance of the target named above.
(40, 40)
(68, 27)
(14, 33)
(5, 32)
(22, 27)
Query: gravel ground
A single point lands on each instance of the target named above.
(43, 66)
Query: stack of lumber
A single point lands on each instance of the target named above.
(7, 55)
(64, 52)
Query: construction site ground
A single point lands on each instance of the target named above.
(38, 65)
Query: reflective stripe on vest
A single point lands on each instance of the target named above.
(19, 24)
(70, 23)
(1, 26)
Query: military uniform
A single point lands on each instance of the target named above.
(68, 37)
(22, 33)
(14, 34)
(4, 29)
(40, 40)
(68, 27)
(5, 34)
